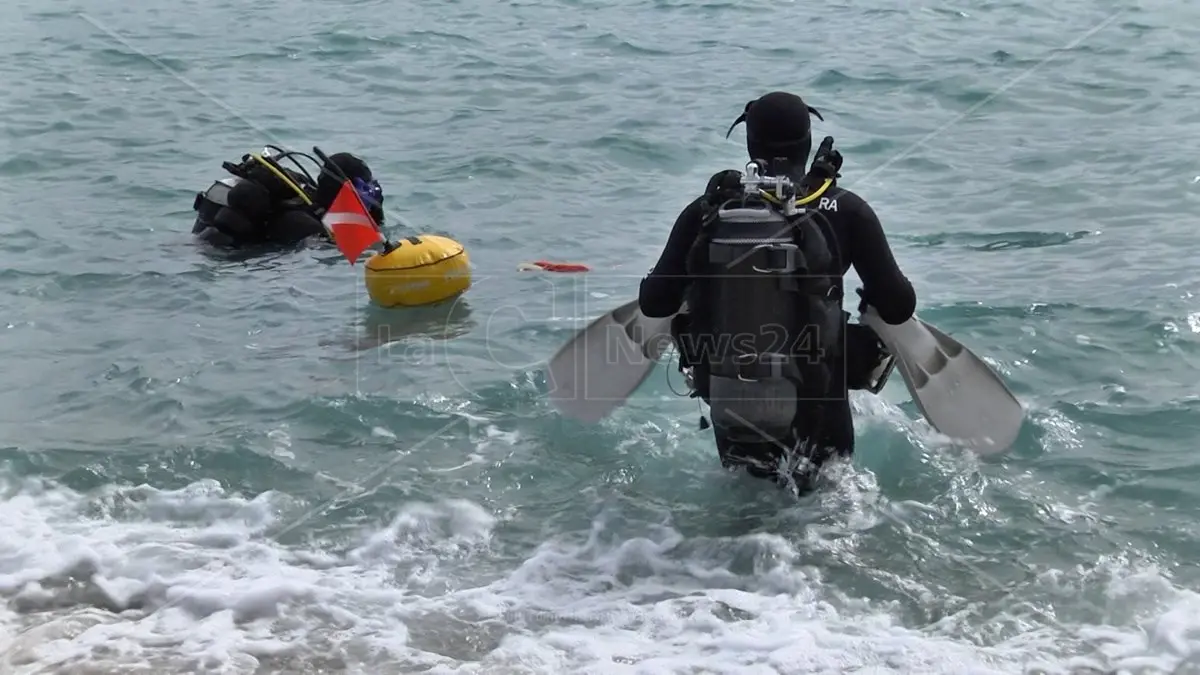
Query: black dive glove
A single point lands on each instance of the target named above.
(827, 162)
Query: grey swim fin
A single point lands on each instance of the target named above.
(956, 391)
(594, 373)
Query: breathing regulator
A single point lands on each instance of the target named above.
(779, 190)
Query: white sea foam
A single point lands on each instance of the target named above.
(136, 579)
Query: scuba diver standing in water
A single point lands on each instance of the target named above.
(264, 203)
(760, 260)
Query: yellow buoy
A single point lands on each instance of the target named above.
(421, 270)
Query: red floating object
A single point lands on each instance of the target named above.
(547, 266)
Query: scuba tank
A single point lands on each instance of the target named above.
(773, 317)
(234, 205)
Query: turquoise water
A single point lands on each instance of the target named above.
(215, 465)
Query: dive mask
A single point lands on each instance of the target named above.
(370, 192)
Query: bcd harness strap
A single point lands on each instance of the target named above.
(783, 259)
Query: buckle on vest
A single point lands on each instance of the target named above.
(788, 252)
(742, 363)
(755, 367)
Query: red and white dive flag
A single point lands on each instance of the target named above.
(351, 225)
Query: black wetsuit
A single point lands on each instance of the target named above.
(290, 223)
(849, 220)
(262, 210)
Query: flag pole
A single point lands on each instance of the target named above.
(336, 171)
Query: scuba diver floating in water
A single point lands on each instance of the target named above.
(760, 260)
(264, 203)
